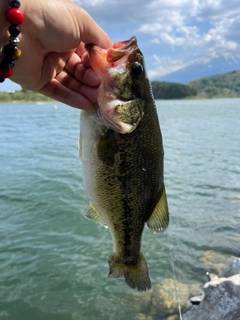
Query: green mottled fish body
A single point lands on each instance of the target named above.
(123, 180)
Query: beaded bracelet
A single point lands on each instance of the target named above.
(10, 51)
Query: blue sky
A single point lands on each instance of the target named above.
(176, 36)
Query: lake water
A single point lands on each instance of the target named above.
(54, 262)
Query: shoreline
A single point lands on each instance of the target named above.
(55, 101)
(28, 101)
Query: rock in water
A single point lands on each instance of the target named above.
(222, 297)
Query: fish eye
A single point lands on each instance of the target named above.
(137, 69)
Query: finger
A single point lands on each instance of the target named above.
(84, 57)
(90, 31)
(86, 85)
(86, 76)
(83, 78)
(58, 91)
(75, 69)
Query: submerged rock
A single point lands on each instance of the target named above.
(164, 296)
(222, 297)
(174, 317)
(142, 316)
(215, 261)
(161, 300)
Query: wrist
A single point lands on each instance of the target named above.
(3, 23)
(10, 52)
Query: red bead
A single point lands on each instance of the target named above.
(5, 73)
(14, 16)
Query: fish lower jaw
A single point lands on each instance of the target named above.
(127, 128)
(109, 118)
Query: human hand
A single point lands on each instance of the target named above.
(54, 61)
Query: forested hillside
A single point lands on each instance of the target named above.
(161, 90)
(225, 85)
(170, 90)
(22, 95)
(220, 85)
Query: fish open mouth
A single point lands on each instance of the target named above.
(125, 44)
(116, 109)
(118, 50)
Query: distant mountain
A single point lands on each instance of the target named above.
(227, 85)
(197, 71)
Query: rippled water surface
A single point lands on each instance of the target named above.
(53, 262)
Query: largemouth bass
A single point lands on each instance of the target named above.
(122, 158)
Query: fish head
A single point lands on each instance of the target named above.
(121, 69)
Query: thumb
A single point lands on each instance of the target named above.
(90, 31)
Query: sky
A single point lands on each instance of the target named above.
(177, 37)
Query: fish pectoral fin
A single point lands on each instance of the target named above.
(159, 219)
(92, 214)
(80, 147)
(107, 148)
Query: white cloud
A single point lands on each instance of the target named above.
(92, 3)
(189, 29)
(155, 41)
(125, 11)
(220, 37)
(153, 28)
(165, 66)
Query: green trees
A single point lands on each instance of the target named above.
(170, 90)
(225, 85)
(22, 95)
(219, 86)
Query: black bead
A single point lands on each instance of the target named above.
(14, 30)
(8, 50)
(2, 80)
(8, 64)
(14, 3)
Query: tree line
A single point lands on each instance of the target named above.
(22, 95)
(171, 90)
(225, 85)
(161, 90)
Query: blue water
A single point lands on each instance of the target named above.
(53, 262)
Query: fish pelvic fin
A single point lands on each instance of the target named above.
(107, 149)
(93, 214)
(159, 219)
(135, 272)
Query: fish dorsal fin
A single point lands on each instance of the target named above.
(107, 148)
(92, 214)
(80, 147)
(159, 219)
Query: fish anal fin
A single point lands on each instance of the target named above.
(159, 219)
(92, 214)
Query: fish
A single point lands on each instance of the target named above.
(121, 150)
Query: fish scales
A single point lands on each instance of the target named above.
(123, 172)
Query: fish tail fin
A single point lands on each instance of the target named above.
(135, 272)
